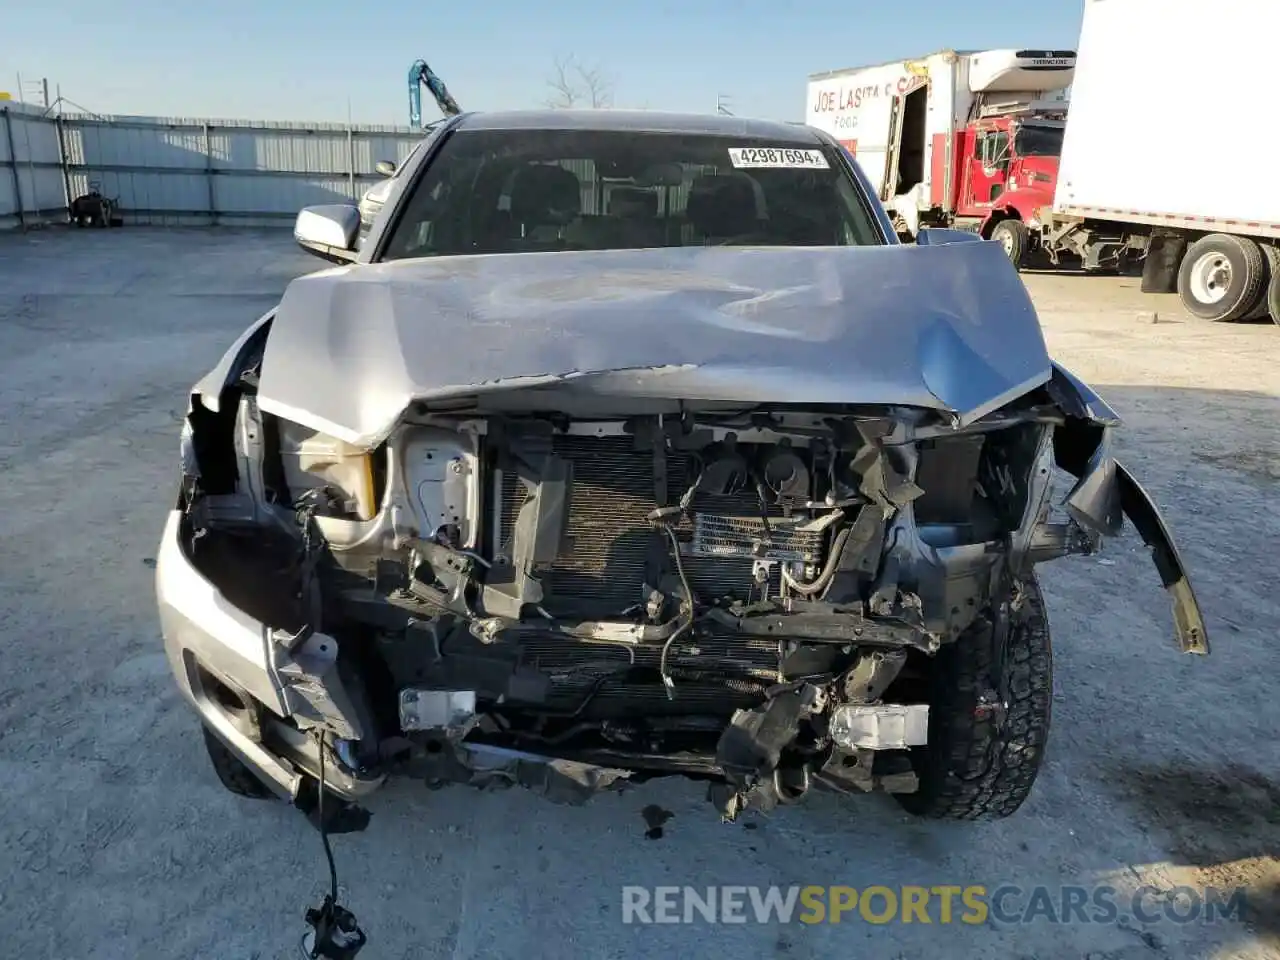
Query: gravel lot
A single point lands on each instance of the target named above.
(118, 842)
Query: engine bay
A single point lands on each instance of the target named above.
(757, 591)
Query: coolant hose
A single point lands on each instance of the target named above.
(828, 571)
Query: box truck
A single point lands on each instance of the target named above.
(1169, 151)
(962, 139)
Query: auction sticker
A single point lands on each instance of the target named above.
(786, 157)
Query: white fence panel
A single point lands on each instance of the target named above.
(186, 171)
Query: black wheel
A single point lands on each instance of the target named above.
(1267, 302)
(1273, 289)
(1222, 277)
(983, 756)
(1014, 237)
(235, 776)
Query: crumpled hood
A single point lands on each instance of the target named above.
(948, 327)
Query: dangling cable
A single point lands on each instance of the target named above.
(667, 682)
(324, 831)
(336, 935)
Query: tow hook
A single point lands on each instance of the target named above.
(790, 785)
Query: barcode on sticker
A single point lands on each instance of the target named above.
(788, 157)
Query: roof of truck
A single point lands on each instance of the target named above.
(640, 121)
(828, 74)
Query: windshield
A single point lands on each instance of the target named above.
(1035, 141)
(514, 191)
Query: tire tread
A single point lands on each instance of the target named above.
(976, 768)
(1272, 299)
(1021, 238)
(1255, 268)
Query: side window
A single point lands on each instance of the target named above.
(995, 149)
(857, 225)
(418, 233)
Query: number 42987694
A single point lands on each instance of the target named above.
(791, 157)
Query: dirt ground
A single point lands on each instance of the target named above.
(116, 841)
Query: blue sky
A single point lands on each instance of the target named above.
(307, 59)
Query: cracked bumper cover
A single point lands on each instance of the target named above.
(1106, 491)
(206, 637)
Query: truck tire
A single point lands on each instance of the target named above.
(1273, 291)
(1270, 264)
(1014, 237)
(1269, 302)
(981, 761)
(232, 773)
(1222, 277)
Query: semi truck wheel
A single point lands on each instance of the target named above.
(1013, 236)
(1273, 291)
(1222, 277)
(1270, 301)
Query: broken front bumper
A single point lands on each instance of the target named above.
(1106, 490)
(252, 686)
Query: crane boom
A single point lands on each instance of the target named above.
(421, 75)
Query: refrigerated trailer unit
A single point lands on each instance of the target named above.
(1170, 152)
(966, 139)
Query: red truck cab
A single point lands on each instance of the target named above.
(1007, 170)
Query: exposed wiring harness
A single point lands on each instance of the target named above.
(308, 559)
(684, 628)
(335, 933)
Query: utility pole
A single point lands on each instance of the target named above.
(722, 105)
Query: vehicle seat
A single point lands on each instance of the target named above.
(807, 216)
(635, 213)
(721, 206)
(544, 198)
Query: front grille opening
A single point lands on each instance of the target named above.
(610, 542)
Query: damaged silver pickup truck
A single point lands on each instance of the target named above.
(633, 445)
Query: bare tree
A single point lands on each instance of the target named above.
(574, 84)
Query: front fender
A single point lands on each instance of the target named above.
(227, 370)
(1080, 400)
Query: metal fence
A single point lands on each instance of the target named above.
(183, 171)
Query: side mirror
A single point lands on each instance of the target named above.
(936, 236)
(385, 167)
(329, 231)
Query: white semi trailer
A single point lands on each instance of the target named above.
(1170, 151)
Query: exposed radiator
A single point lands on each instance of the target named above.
(601, 571)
